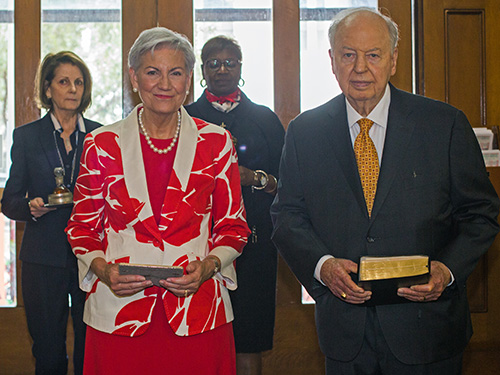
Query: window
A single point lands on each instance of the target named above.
(6, 85)
(8, 297)
(249, 22)
(92, 30)
(315, 18)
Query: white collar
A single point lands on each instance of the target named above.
(57, 126)
(379, 115)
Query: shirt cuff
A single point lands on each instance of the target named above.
(452, 277)
(317, 270)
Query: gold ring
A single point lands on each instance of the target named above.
(343, 295)
(185, 293)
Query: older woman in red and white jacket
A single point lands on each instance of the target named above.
(159, 188)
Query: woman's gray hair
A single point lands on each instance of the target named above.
(340, 17)
(157, 37)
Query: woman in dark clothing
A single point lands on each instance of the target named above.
(258, 137)
(49, 269)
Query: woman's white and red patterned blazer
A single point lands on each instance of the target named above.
(202, 213)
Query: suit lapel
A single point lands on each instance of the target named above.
(340, 138)
(81, 141)
(47, 141)
(399, 131)
(135, 174)
(400, 127)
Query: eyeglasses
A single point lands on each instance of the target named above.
(216, 64)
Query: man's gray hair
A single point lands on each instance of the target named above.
(158, 37)
(340, 17)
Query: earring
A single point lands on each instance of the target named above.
(203, 82)
(134, 89)
(241, 82)
(187, 92)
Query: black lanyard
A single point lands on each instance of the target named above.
(73, 163)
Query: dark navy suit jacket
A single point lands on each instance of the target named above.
(34, 157)
(433, 197)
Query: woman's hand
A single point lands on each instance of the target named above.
(37, 208)
(121, 285)
(246, 176)
(197, 273)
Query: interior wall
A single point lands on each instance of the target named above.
(296, 350)
(458, 64)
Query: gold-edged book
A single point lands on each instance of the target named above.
(155, 273)
(384, 275)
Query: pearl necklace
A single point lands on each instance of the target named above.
(148, 138)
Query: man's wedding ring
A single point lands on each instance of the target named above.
(343, 295)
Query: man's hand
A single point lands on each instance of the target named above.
(335, 274)
(440, 278)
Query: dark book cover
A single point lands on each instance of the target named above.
(383, 276)
(155, 273)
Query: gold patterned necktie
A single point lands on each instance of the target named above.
(367, 159)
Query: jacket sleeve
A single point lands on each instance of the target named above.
(474, 203)
(14, 200)
(275, 139)
(230, 230)
(85, 227)
(293, 233)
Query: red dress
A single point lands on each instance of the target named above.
(159, 350)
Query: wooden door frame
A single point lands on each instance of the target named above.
(177, 15)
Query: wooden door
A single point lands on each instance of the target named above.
(457, 54)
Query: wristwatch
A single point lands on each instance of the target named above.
(262, 178)
(217, 266)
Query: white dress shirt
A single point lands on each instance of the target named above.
(379, 115)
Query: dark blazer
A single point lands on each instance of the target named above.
(433, 197)
(260, 136)
(34, 157)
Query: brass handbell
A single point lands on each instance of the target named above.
(61, 194)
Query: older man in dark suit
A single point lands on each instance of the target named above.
(378, 171)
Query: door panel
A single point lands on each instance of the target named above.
(458, 64)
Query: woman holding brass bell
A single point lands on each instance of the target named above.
(159, 188)
(52, 144)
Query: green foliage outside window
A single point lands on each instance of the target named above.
(99, 45)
